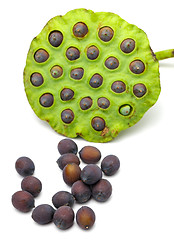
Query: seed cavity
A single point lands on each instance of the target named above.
(66, 94)
(112, 63)
(56, 71)
(96, 80)
(92, 52)
(41, 55)
(55, 38)
(125, 110)
(137, 67)
(118, 87)
(106, 34)
(72, 53)
(86, 103)
(46, 100)
(127, 45)
(139, 90)
(67, 116)
(80, 29)
(36, 79)
(77, 73)
(98, 123)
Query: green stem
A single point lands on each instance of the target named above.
(165, 54)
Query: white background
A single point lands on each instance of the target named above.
(142, 203)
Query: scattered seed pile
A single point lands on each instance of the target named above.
(91, 75)
(85, 184)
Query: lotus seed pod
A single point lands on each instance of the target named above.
(91, 74)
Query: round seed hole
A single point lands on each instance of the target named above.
(128, 45)
(92, 52)
(112, 63)
(86, 103)
(41, 55)
(66, 94)
(36, 79)
(103, 102)
(56, 71)
(125, 110)
(80, 29)
(72, 53)
(96, 80)
(67, 116)
(55, 38)
(98, 123)
(77, 73)
(46, 100)
(106, 34)
(137, 66)
(139, 90)
(118, 87)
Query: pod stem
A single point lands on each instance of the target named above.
(165, 54)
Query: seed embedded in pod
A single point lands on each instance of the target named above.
(103, 103)
(41, 55)
(137, 67)
(86, 103)
(56, 71)
(55, 38)
(106, 34)
(36, 79)
(127, 45)
(80, 29)
(46, 100)
(77, 73)
(118, 87)
(96, 80)
(92, 52)
(98, 123)
(67, 116)
(139, 90)
(112, 63)
(66, 94)
(72, 53)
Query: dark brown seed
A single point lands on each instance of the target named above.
(67, 116)
(81, 191)
(98, 123)
(72, 53)
(118, 87)
(103, 103)
(46, 100)
(110, 165)
(63, 217)
(66, 94)
(137, 66)
(127, 45)
(86, 103)
(71, 173)
(77, 73)
(85, 217)
(91, 174)
(56, 71)
(43, 214)
(92, 52)
(67, 146)
(102, 190)
(90, 154)
(112, 63)
(63, 198)
(139, 90)
(80, 29)
(36, 79)
(55, 38)
(32, 185)
(106, 34)
(66, 158)
(41, 55)
(23, 201)
(96, 80)
(24, 166)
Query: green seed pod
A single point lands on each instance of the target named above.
(69, 52)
